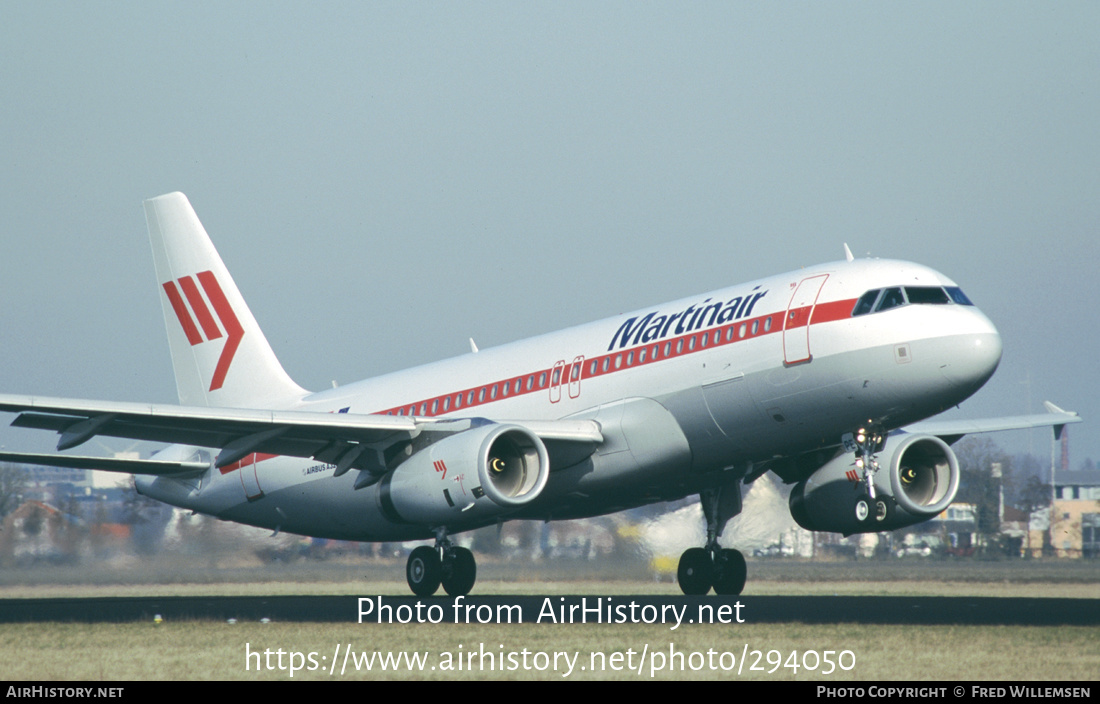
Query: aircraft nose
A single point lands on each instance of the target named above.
(974, 355)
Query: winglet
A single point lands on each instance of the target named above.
(1051, 408)
(848, 253)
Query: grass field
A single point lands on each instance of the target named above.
(215, 650)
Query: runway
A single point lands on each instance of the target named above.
(884, 610)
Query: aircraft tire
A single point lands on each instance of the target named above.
(424, 571)
(881, 511)
(864, 510)
(459, 572)
(730, 572)
(695, 571)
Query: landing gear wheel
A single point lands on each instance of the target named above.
(863, 509)
(459, 572)
(730, 572)
(424, 570)
(696, 571)
(881, 512)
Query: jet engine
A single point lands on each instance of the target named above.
(468, 478)
(917, 479)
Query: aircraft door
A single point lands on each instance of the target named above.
(556, 380)
(249, 479)
(575, 374)
(796, 323)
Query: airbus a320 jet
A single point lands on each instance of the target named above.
(821, 376)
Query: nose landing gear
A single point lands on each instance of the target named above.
(866, 443)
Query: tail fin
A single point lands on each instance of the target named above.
(219, 354)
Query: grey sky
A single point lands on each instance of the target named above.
(386, 180)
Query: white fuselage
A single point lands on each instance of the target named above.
(688, 394)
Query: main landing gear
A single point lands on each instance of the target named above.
(723, 569)
(448, 564)
(713, 566)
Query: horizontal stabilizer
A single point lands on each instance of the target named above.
(157, 468)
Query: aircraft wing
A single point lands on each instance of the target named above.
(338, 438)
(950, 431)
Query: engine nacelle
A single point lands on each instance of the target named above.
(917, 479)
(468, 478)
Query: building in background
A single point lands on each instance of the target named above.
(1075, 520)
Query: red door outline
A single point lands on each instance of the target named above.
(250, 480)
(575, 374)
(557, 378)
(796, 323)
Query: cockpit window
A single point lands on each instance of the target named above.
(866, 302)
(926, 294)
(898, 296)
(891, 298)
(958, 296)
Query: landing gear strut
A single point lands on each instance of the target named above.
(448, 564)
(723, 569)
(866, 443)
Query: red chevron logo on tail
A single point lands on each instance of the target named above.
(191, 306)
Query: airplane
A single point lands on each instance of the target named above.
(822, 376)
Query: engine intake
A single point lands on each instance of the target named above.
(515, 466)
(924, 475)
(468, 478)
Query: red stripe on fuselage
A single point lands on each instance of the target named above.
(831, 311)
(254, 458)
(624, 359)
(620, 360)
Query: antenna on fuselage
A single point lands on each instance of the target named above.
(848, 253)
